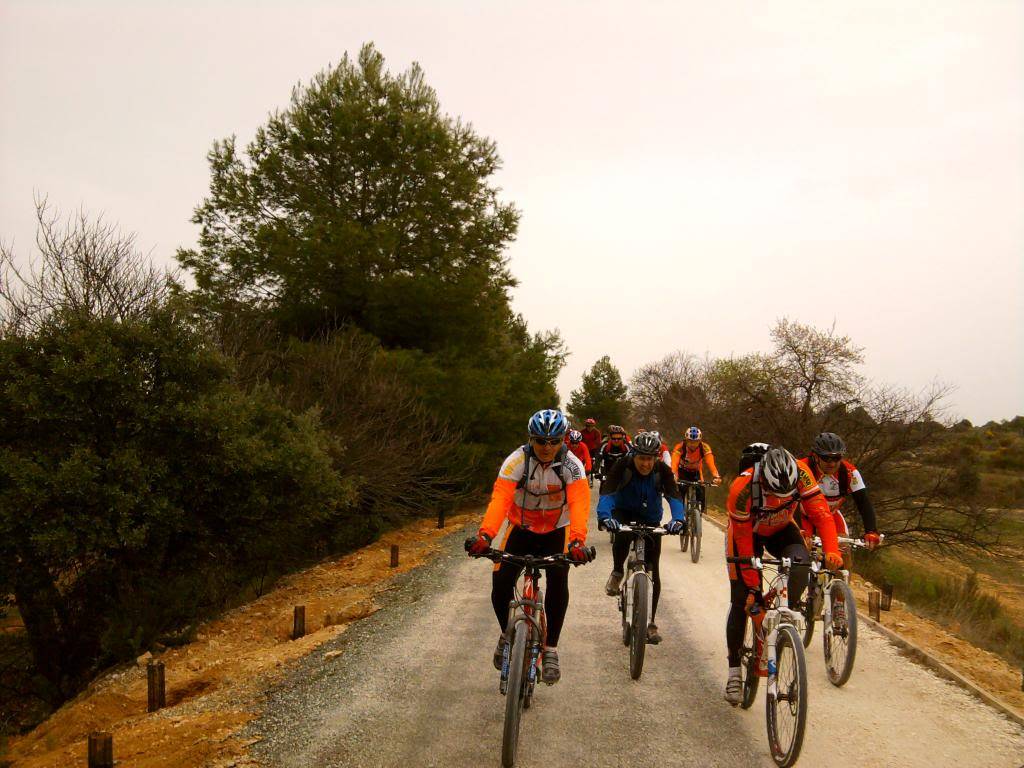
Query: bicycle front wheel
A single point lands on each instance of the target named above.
(748, 665)
(839, 637)
(786, 707)
(638, 633)
(696, 527)
(514, 696)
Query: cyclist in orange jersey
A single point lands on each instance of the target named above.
(762, 504)
(579, 449)
(688, 457)
(839, 479)
(542, 497)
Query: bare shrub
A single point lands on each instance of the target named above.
(83, 265)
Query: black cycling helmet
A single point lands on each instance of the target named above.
(647, 444)
(752, 454)
(829, 444)
(779, 471)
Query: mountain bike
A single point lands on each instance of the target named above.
(772, 649)
(691, 535)
(636, 596)
(525, 636)
(838, 613)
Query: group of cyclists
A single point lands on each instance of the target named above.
(776, 503)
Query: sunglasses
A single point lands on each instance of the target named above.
(830, 457)
(546, 440)
(616, 439)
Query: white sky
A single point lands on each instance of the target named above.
(687, 171)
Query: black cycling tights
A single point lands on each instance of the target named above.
(556, 591)
(652, 553)
(785, 543)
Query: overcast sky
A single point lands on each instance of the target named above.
(687, 171)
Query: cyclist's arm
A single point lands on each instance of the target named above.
(605, 506)
(677, 454)
(863, 502)
(741, 527)
(709, 457)
(504, 492)
(588, 464)
(671, 493)
(502, 499)
(815, 507)
(577, 496)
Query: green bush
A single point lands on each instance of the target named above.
(140, 488)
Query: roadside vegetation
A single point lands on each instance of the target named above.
(338, 355)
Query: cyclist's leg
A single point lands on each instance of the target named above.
(789, 542)
(503, 580)
(653, 554)
(556, 596)
(620, 550)
(737, 621)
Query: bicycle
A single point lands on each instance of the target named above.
(636, 595)
(691, 535)
(525, 636)
(775, 646)
(838, 614)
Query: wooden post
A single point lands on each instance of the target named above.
(886, 604)
(440, 518)
(873, 605)
(299, 622)
(157, 689)
(394, 555)
(101, 750)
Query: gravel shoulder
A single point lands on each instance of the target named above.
(412, 685)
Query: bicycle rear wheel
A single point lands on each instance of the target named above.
(684, 539)
(786, 708)
(696, 526)
(839, 637)
(748, 665)
(638, 631)
(515, 694)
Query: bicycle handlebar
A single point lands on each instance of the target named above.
(858, 543)
(759, 563)
(708, 483)
(654, 530)
(531, 561)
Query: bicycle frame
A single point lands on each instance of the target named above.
(637, 563)
(527, 606)
(776, 614)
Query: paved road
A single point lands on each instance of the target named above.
(414, 686)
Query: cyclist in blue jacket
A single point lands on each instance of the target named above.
(632, 493)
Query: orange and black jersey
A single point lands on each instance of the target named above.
(774, 514)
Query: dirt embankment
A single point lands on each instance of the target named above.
(215, 684)
(985, 669)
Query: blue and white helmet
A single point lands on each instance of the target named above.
(548, 423)
(693, 433)
(575, 436)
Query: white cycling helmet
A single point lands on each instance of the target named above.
(779, 472)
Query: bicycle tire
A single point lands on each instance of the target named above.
(684, 539)
(840, 647)
(638, 631)
(811, 608)
(697, 526)
(622, 610)
(748, 666)
(514, 696)
(790, 703)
